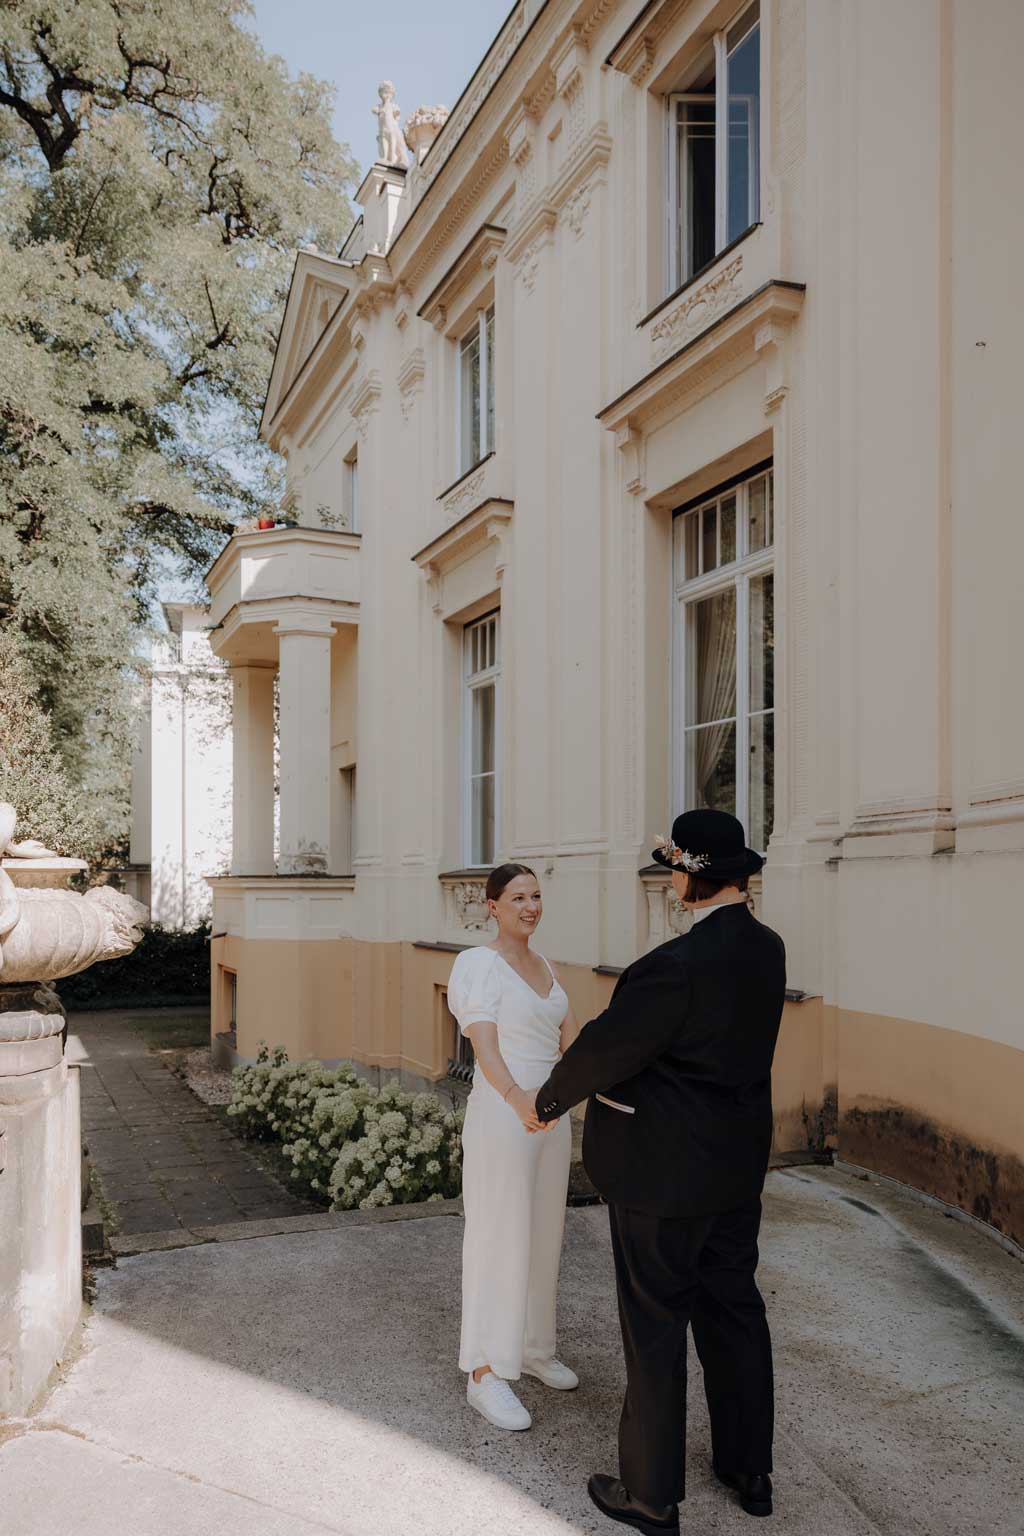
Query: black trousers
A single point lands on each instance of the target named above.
(698, 1272)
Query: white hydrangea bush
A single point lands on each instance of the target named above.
(349, 1142)
(273, 1099)
(410, 1150)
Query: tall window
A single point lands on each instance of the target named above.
(476, 391)
(350, 491)
(725, 650)
(482, 670)
(461, 1058)
(714, 149)
(344, 823)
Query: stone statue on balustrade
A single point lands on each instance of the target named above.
(391, 148)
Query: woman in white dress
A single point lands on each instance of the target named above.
(512, 1006)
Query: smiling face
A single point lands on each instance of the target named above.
(518, 909)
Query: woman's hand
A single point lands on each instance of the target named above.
(525, 1105)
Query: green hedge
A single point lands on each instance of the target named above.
(168, 968)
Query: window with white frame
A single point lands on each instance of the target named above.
(482, 670)
(714, 149)
(476, 391)
(350, 491)
(724, 655)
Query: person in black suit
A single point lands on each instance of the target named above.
(678, 1130)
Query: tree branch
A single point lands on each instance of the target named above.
(36, 120)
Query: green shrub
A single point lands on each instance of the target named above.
(347, 1141)
(166, 967)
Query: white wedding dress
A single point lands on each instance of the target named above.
(514, 1184)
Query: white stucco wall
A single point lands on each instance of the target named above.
(181, 785)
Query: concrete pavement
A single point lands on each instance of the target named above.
(306, 1382)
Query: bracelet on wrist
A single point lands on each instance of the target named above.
(508, 1090)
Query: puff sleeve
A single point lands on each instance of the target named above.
(474, 988)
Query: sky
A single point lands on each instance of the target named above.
(428, 48)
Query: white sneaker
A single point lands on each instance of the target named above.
(495, 1399)
(552, 1373)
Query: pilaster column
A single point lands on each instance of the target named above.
(305, 746)
(252, 767)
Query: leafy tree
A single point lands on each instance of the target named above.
(157, 171)
(32, 776)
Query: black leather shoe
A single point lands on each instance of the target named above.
(754, 1489)
(615, 1501)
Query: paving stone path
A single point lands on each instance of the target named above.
(162, 1157)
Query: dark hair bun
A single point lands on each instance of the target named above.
(502, 876)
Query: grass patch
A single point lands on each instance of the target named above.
(177, 1032)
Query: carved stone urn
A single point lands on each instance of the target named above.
(46, 931)
(422, 128)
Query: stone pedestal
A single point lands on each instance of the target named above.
(40, 1194)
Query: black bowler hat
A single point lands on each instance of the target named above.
(708, 843)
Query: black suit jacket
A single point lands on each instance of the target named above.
(686, 1044)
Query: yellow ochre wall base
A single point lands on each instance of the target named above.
(934, 1108)
(937, 1109)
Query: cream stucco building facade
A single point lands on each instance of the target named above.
(651, 445)
(181, 775)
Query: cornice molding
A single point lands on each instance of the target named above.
(454, 212)
(479, 255)
(633, 54)
(754, 322)
(276, 540)
(480, 526)
(300, 610)
(314, 278)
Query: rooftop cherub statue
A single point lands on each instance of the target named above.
(391, 148)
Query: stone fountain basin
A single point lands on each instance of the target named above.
(50, 874)
(59, 932)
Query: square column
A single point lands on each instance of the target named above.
(252, 768)
(305, 747)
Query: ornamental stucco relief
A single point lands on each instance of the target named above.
(697, 309)
(679, 920)
(465, 495)
(577, 208)
(366, 402)
(470, 905)
(529, 263)
(410, 380)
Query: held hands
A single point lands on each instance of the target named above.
(524, 1103)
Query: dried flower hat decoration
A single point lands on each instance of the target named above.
(691, 862)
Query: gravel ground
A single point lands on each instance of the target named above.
(209, 1083)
